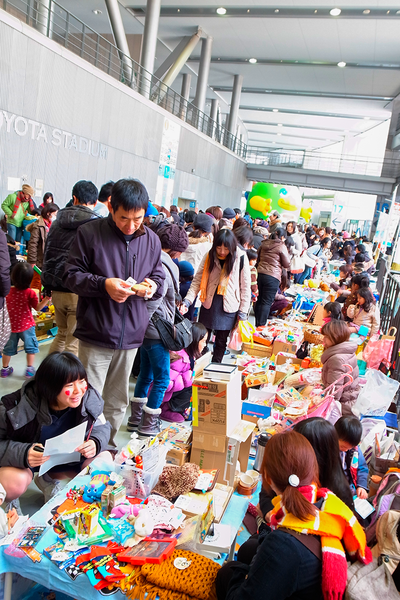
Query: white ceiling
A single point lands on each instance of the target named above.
(307, 121)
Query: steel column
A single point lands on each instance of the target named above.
(149, 43)
(43, 17)
(121, 42)
(235, 101)
(202, 78)
(213, 115)
(185, 93)
(181, 59)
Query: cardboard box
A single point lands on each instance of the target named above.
(281, 359)
(224, 456)
(179, 454)
(216, 405)
(257, 350)
(200, 363)
(259, 339)
(257, 404)
(284, 347)
(42, 326)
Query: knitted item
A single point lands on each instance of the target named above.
(334, 523)
(20, 199)
(173, 237)
(252, 510)
(175, 481)
(166, 582)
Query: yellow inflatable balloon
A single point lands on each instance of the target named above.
(306, 213)
(262, 205)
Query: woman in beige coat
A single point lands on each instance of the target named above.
(223, 280)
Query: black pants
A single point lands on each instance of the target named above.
(221, 340)
(267, 288)
(245, 555)
(180, 401)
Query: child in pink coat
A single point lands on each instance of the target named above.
(179, 392)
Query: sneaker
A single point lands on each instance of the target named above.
(49, 487)
(30, 372)
(7, 371)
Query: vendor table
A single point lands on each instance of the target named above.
(68, 581)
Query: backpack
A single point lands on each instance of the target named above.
(387, 498)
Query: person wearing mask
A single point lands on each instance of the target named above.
(340, 352)
(275, 221)
(39, 231)
(199, 240)
(288, 563)
(16, 206)
(223, 281)
(102, 206)
(5, 286)
(47, 199)
(154, 356)
(272, 258)
(291, 230)
(112, 318)
(61, 237)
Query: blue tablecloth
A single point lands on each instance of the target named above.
(56, 579)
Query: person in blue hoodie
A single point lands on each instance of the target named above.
(355, 468)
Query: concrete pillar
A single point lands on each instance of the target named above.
(213, 116)
(233, 114)
(149, 44)
(185, 93)
(118, 30)
(202, 78)
(44, 17)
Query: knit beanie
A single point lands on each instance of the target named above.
(27, 189)
(185, 269)
(151, 211)
(229, 213)
(203, 222)
(173, 237)
(346, 235)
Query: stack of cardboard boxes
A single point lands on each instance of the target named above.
(220, 437)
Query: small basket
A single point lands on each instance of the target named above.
(313, 337)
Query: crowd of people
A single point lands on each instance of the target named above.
(213, 266)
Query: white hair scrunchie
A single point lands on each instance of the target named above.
(294, 481)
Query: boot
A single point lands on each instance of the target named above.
(136, 413)
(150, 424)
(169, 415)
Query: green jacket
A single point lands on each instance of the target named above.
(8, 207)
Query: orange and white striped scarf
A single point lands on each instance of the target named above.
(223, 280)
(339, 530)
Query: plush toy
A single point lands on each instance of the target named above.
(97, 485)
(144, 523)
(131, 510)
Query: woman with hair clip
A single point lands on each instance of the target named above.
(223, 280)
(57, 399)
(303, 555)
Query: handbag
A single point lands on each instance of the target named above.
(5, 326)
(296, 264)
(175, 336)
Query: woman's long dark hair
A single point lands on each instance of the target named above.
(323, 438)
(198, 332)
(368, 297)
(226, 238)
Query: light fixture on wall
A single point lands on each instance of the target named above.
(221, 11)
(335, 12)
(252, 61)
(275, 110)
(98, 12)
(341, 64)
(366, 11)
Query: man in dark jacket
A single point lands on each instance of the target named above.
(112, 318)
(61, 237)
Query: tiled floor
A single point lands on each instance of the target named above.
(32, 500)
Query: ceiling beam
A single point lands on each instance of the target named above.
(234, 60)
(290, 135)
(293, 126)
(251, 90)
(315, 12)
(309, 113)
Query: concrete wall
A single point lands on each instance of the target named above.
(62, 120)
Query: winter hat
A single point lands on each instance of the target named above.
(151, 211)
(203, 222)
(185, 269)
(229, 213)
(27, 189)
(173, 237)
(346, 235)
(261, 231)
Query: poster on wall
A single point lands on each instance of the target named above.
(381, 229)
(167, 165)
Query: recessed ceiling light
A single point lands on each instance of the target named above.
(341, 64)
(335, 12)
(315, 11)
(275, 110)
(248, 10)
(252, 61)
(279, 124)
(274, 142)
(366, 11)
(278, 134)
(397, 12)
(277, 10)
(98, 12)
(179, 10)
(388, 12)
(221, 10)
(367, 118)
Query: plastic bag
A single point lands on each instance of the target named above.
(235, 342)
(246, 331)
(376, 396)
(297, 264)
(378, 351)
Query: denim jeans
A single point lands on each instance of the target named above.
(154, 369)
(306, 274)
(28, 337)
(15, 232)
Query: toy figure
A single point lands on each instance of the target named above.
(97, 485)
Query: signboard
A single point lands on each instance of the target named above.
(338, 217)
(167, 165)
